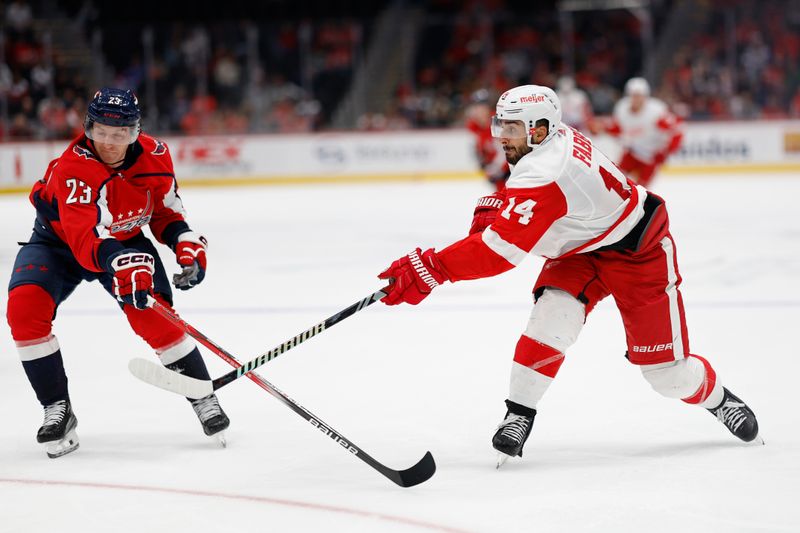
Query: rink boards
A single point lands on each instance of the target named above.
(719, 147)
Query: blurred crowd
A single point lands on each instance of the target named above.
(289, 75)
(488, 44)
(237, 77)
(745, 64)
(39, 99)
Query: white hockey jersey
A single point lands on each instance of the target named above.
(647, 132)
(562, 198)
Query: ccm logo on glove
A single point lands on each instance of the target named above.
(132, 273)
(126, 260)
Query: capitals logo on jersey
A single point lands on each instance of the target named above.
(83, 152)
(133, 219)
(160, 149)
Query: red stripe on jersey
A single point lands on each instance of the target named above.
(470, 258)
(633, 201)
(524, 217)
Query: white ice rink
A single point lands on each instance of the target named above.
(606, 454)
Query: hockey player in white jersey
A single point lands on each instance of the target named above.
(648, 131)
(602, 235)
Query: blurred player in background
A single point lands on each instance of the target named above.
(576, 107)
(91, 206)
(478, 119)
(602, 235)
(647, 130)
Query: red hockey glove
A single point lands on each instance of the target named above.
(190, 253)
(413, 277)
(133, 276)
(486, 211)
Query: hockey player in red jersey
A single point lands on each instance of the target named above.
(487, 149)
(648, 131)
(91, 206)
(601, 235)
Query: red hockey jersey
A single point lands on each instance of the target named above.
(89, 205)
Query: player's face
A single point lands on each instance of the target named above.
(515, 149)
(637, 101)
(111, 143)
(513, 136)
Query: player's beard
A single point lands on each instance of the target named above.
(515, 153)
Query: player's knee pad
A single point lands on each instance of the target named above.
(156, 331)
(30, 312)
(556, 320)
(683, 379)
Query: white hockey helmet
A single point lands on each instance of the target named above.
(527, 104)
(637, 86)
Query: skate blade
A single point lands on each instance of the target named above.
(220, 438)
(501, 459)
(56, 449)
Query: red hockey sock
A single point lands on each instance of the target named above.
(537, 356)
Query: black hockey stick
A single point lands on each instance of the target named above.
(160, 376)
(420, 472)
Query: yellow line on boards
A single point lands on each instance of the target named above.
(731, 168)
(433, 176)
(301, 180)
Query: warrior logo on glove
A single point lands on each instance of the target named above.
(413, 277)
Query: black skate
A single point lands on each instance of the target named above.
(212, 417)
(58, 430)
(513, 431)
(737, 417)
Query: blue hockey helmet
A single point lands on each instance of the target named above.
(114, 107)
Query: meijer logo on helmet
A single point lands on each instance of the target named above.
(533, 99)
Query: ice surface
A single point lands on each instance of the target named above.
(606, 452)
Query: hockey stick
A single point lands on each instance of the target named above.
(420, 472)
(160, 376)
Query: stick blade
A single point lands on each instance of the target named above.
(164, 378)
(419, 473)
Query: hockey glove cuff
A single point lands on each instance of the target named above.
(486, 211)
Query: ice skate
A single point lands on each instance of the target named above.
(58, 430)
(212, 417)
(737, 417)
(513, 431)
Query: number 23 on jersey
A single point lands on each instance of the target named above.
(79, 192)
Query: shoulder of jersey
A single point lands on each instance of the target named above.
(622, 104)
(540, 167)
(152, 146)
(657, 106)
(79, 162)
